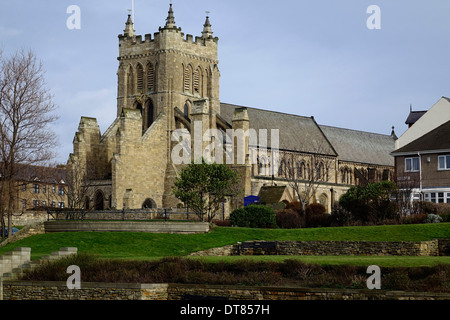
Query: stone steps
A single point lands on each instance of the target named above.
(13, 264)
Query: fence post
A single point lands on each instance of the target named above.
(165, 214)
(1, 288)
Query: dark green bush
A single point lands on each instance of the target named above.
(289, 219)
(254, 216)
(314, 209)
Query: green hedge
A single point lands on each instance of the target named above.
(254, 216)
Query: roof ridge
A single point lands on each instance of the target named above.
(374, 133)
(284, 113)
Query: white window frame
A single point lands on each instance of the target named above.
(445, 167)
(437, 196)
(411, 160)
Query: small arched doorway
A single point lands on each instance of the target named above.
(149, 204)
(99, 200)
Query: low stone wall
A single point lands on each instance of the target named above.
(18, 290)
(49, 290)
(364, 248)
(128, 226)
(332, 248)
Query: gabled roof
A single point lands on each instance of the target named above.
(303, 134)
(271, 194)
(435, 140)
(296, 133)
(360, 146)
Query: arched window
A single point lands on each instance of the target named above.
(150, 112)
(150, 77)
(320, 171)
(99, 202)
(187, 109)
(140, 77)
(323, 199)
(130, 81)
(301, 168)
(149, 204)
(198, 81)
(187, 79)
(282, 168)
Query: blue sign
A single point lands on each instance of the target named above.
(250, 199)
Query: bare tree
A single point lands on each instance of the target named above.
(305, 172)
(79, 183)
(26, 113)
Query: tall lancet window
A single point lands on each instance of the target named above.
(150, 77)
(186, 110)
(130, 81)
(140, 77)
(198, 81)
(150, 112)
(187, 78)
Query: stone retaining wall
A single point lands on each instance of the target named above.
(365, 248)
(434, 247)
(17, 290)
(129, 226)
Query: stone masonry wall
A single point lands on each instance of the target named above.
(19, 290)
(397, 248)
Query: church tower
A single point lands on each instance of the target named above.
(165, 82)
(167, 72)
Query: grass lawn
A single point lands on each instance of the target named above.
(143, 246)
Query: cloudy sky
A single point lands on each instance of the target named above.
(311, 58)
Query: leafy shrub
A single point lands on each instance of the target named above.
(442, 208)
(290, 272)
(295, 205)
(371, 203)
(289, 219)
(314, 209)
(427, 207)
(315, 216)
(433, 218)
(414, 218)
(340, 217)
(445, 216)
(254, 216)
(222, 223)
(318, 220)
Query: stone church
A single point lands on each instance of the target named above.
(170, 80)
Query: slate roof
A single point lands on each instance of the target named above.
(41, 174)
(296, 133)
(414, 116)
(271, 194)
(303, 134)
(360, 146)
(436, 139)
